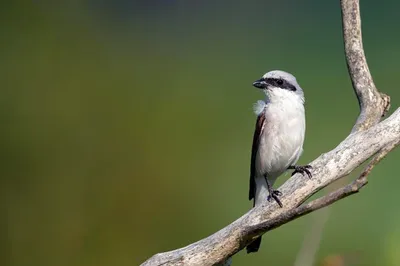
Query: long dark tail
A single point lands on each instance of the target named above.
(254, 246)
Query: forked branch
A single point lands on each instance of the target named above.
(368, 138)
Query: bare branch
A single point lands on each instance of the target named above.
(317, 204)
(368, 137)
(373, 105)
(367, 95)
(356, 149)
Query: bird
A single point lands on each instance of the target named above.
(278, 137)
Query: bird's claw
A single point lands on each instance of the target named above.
(274, 194)
(302, 170)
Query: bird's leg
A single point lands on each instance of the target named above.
(273, 194)
(301, 169)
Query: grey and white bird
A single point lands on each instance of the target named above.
(278, 137)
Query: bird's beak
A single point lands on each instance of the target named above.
(261, 84)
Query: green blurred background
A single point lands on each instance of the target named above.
(127, 126)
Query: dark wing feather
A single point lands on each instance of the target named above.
(256, 140)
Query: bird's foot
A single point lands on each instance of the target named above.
(274, 194)
(302, 170)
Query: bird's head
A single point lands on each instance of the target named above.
(280, 85)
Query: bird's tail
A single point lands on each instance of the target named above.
(254, 246)
(260, 196)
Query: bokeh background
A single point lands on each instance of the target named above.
(126, 126)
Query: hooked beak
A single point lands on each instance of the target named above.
(260, 83)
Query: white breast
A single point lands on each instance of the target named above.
(281, 142)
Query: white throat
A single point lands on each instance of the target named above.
(277, 95)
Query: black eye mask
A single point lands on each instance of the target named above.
(280, 83)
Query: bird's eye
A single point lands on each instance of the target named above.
(279, 81)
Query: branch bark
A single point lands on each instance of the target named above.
(373, 105)
(369, 137)
(363, 86)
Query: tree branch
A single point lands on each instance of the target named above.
(373, 105)
(368, 138)
(363, 86)
(327, 200)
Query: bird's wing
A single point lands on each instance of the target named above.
(256, 141)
